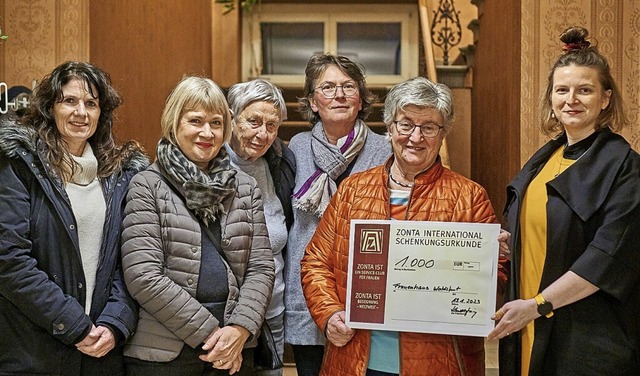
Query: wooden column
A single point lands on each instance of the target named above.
(226, 45)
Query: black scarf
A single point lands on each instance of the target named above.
(203, 191)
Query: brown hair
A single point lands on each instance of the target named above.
(579, 52)
(316, 66)
(40, 116)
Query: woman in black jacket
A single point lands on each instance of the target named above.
(574, 214)
(64, 308)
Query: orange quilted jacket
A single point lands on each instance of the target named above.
(438, 195)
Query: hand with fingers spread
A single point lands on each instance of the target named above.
(337, 331)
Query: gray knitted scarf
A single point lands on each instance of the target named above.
(331, 161)
(203, 191)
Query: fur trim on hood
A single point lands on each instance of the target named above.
(14, 136)
(137, 161)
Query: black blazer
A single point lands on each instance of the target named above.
(593, 222)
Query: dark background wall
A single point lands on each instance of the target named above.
(495, 132)
(147, 46)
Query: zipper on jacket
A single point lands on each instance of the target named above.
(459, 358)
(108, 186)
(406, 212)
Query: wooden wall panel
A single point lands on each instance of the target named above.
(3, 75)
(614, 26)
(147, 46)
(629, 77)
(42, 34)
(459, 140)
(227, 46)
(495, 133)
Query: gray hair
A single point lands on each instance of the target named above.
(419, 92)
(243, 94)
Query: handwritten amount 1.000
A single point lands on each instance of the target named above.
(415, 263)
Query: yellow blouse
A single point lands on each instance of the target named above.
(533, 219)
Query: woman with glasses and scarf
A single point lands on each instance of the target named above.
(336, 102)
(195, 252)
(412, 185)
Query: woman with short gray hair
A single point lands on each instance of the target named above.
(258, 110)
(412, 185)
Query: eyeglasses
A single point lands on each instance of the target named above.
(329, 90)
(429, 130)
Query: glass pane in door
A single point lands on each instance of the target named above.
(286, 47)
(376, 45)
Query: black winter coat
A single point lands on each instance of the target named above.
(42, 285)
(593, 222)
(282, 166)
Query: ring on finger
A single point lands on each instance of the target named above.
(220, 362)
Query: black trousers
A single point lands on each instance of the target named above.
(186, 364)
(308, 359)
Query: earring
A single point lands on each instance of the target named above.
(553, 115)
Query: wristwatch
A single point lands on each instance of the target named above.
(545, 308)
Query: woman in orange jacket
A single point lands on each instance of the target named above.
(412, 185)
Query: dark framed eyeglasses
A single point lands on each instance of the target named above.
(330, 90)
(429, 130)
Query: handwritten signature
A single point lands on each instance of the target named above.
(455, 310)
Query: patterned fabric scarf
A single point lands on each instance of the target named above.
(203, 191)
(331, 161)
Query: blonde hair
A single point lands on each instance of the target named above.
(579, 52)
(194, 93)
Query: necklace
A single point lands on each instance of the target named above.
(400, 184)
(566, 166)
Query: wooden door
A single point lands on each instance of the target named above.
(147, 46)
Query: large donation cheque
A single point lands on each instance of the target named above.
(427, 277)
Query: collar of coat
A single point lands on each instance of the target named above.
(584, 186)
(424, 177)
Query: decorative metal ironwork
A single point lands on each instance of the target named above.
(230, 5)
(446, 32)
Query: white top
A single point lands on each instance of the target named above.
(89, 209)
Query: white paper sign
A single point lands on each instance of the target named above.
(416, 276)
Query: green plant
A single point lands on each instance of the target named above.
(245, 5)
(3, 37)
